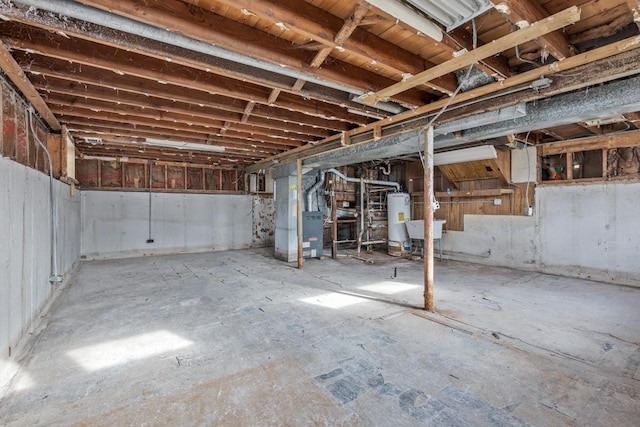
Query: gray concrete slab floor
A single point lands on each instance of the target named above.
(238, 338)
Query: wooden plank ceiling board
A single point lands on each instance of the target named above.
(270, 79)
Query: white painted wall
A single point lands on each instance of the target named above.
(25, 249)
(115, 224)
(591, 231)
(588, 231)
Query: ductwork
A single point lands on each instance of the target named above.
(366, 181)
(99, 17)
(313, 190)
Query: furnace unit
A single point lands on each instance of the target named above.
(312, 229)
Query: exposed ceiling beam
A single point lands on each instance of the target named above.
(55, 86)
(129, 132)
(628, 47)
(321, 26)
(17, 76)
(634, 6)
(559, 20)
(615, 97)
(186, 117)
(616, 67)
(525, 12)
(208, 27)
(495, 66)
(144, 46)
(618, 97)
(345, 32)
(83, 78)
(110, 120)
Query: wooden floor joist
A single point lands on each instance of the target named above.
(17, 76)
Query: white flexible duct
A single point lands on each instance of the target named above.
(313, 190)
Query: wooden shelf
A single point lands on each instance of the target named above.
(475, 193)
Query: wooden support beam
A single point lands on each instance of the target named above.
(524, 12)
(54, 146)
(493, 192)
(273, 96)
(373, 20)
(627, 139)
(210, 27)
(299, 211)
(247, 111)
(89, 82)
(377, 133)
(429, 304)
(17, 76)
(137, 44)
(629, 46)
(559, 20)
(495, 66)
(345, 32)
(311, 21)
(56, 88)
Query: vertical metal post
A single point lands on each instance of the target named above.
(428, 219)
(149, 239)
(334, 223)
(299, 211)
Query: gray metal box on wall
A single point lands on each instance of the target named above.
(312, 228)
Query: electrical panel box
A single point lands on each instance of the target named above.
(260, 183)
(312, 228)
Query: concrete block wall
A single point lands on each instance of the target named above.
(589, 231)
(115, 224)
(25, 249)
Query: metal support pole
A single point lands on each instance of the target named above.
(334, 224)
(428, 219)
(299, 202)
(149, 239)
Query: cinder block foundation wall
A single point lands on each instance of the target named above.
(116, 224)
(25, 250)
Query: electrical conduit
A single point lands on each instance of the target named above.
(54, 277)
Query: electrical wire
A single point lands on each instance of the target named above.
(526, 191)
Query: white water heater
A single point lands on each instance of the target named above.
(398, 211)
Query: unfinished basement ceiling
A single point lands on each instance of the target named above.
(254, 79)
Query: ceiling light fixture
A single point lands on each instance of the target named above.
(452, 13)
(183, 145)
(408, 16)
(481, 152)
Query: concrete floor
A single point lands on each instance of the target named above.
(240, 339)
